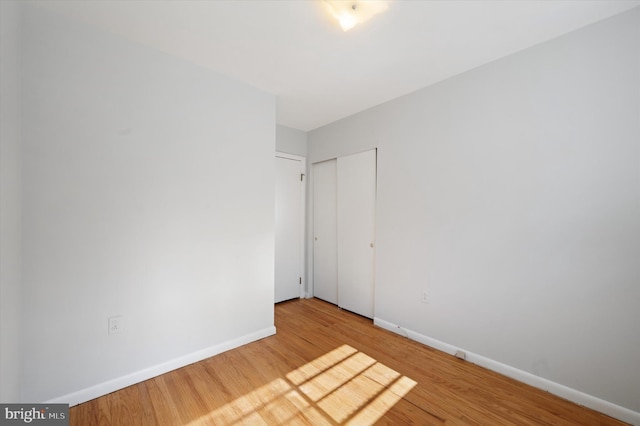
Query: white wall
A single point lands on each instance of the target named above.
(10, 196)
(291, 141)
(511, 193)
(148, 193)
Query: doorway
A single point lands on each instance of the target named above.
(289, 227)
(344, 197)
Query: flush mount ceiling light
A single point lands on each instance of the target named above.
(350, 13)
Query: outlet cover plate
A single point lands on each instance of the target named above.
(115, 325)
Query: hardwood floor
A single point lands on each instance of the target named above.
(328, 366)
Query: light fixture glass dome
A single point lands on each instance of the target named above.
(351, 13)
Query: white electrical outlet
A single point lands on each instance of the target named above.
(425, 297)
(115, 325)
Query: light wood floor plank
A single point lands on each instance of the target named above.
(326, 366)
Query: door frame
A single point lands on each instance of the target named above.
(303, 204)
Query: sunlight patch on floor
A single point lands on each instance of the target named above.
(342, 386)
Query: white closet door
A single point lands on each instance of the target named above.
(356, 183)
(325, 258)
(289, 228)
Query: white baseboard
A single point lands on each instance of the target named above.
(100, 389)
(581, 398)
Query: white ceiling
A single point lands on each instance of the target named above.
(292, 48)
